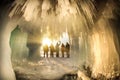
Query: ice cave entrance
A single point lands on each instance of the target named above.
(27, 51)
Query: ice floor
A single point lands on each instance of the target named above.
(46, 68)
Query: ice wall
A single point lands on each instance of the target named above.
(6, 70)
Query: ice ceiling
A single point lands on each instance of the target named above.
(80, 17)
(57, 14)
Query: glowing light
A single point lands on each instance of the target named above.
(64, 38)
(46, 41)
(54, 42)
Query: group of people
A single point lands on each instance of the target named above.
(57, 48)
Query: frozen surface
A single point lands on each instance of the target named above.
(46, 68)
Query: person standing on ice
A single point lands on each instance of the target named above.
(57, 49)
(51, 50)
(67, 47)
(62, 49)
(45, 48)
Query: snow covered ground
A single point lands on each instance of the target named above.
(46, 68)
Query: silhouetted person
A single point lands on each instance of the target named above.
(57, 49)
(52, 49)
(45, 48)
(67, 49)
(62, 49)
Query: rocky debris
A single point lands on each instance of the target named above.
(69, 77)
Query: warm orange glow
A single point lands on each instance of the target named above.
(46, 41)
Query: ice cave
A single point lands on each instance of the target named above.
(59, 40)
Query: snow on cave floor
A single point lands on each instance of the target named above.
(45, 68)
